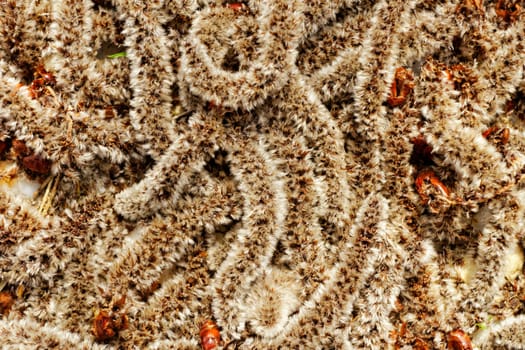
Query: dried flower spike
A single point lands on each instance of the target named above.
(210, 335)
(459, 340)
(402, 85)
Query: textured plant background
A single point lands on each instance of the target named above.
(247, 165)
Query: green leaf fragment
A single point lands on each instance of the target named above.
(481, 325)
(117, 55)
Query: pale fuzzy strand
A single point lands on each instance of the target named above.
(22, 224)
(161, 306)
(171, 242)
(303, 240)
(273, 298)
(186, 155)
(26, 23)
(417, 255)
(317, 13)
(428, 31)
(437, 294)
(322, 46)
(372, 323)
(373, 81)
(321, 12)
(9, 82)
(172, 318)
(346, 278)
(151, 85)
(505, 54)
(219, 243)
(72, 56)
(179, 344)
(498, 236)
(246, 89)
(455, 139)
(303, 192)
(366, 116)
(265, 209)
(170, 237)
(372, 326)
(505, 334)
(26, 334)
(327, 142)
(76, 30)
(334, 76)
(67, 253)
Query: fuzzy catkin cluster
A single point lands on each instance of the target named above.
(306, 174)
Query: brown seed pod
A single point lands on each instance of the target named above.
(103, 326)
(20, 149)
(37, 164)
(420, 344)
(459, 340)
(505, 134)
(6, 302)
(236, 6)
(502, 135)
(210, 335)
(109, 112)
(489, 131)
(402, 85)
(36, 88)
(470, 6)
(508, 10)
(48, 78)
(106, 326)
(4, 146)
(41, 80)
(428, 176)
